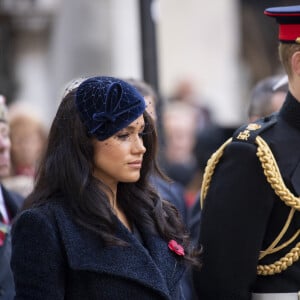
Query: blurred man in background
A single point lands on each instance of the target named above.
(267, 96)
(9, 205)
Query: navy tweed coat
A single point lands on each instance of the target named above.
(54, 258)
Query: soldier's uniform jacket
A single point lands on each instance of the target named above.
(242, 215)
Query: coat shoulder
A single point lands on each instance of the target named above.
(248, 132)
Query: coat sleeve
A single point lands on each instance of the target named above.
(233, 222)
(37, 261)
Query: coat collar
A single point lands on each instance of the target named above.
(154, 265)
(290, 111)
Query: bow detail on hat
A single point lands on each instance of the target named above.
(113, 107)
(103, 117)
(106, 105)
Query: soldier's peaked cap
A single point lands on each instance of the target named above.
(288, 18)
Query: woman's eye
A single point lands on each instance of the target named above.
(123, 136)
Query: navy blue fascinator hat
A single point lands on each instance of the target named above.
(107, 105)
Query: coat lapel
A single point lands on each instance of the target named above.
(156, 268)
(171, 266)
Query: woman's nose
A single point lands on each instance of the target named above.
(139, 145)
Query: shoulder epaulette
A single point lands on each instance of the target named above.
(248, 133)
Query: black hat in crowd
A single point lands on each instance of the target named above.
(106, 105)
(288, 18)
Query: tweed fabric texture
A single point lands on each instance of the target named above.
(74, 264)
(107, 104)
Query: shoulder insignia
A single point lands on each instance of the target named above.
(248, 133)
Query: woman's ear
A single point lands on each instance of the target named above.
(295, 63)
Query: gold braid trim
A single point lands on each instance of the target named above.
(272, 248)
(274, 177)
(281, 264)
(209, 170)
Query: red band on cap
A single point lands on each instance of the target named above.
(289, 32)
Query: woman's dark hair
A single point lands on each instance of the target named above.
(66, 173)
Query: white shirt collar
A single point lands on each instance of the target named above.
(3, 209)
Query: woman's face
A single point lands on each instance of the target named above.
(119, 158)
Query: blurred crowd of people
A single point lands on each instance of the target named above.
(28, 136)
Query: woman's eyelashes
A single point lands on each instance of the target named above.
(123, 136)
(127, 135)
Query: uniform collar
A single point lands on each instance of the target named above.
(290, 111)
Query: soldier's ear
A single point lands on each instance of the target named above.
(295, 63)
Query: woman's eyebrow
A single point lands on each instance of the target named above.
(132, 127)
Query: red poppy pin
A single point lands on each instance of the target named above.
(3, 232)
(175, 247)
